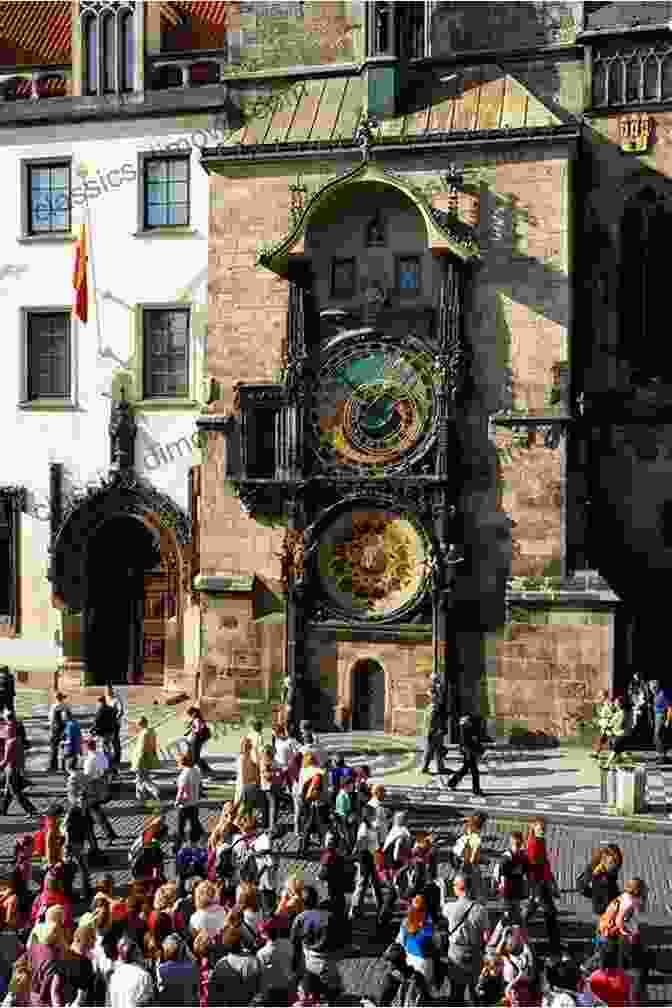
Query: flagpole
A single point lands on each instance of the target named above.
(83, 173)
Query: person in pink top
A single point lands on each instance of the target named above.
(610, 983)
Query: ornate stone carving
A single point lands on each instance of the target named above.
(292, 557)
(635, 131)
(122, 431)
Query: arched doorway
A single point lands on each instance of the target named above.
(120, 554)
(368, 696)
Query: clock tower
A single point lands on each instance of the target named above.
(359, 448)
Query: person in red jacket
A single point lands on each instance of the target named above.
(542, 885)
(610, 983)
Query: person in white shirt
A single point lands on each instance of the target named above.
(96, 770)
(209, 915)
(187, 800)
(382, 818)
(284, 747)
(131, 986)
(366, 846)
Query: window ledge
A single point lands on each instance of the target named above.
(157, 405)
(51, 405)
(168, 232)
(46, 239)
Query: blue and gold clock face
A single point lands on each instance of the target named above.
(374, 406)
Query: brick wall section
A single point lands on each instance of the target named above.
(548, 674)
(532, 495)
(247, 320)
(532, 220)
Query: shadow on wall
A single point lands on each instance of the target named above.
(461, 27)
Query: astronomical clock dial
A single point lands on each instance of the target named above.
(373, 563)
(374, 406)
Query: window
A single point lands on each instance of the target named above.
(166, 353)
(48, 355)
(408, 276)
(127, 49)
(90, 60)
(166, 192)
(108, 41)
(398, 29)
(645, 229)
(343, 278)
(12, 499)
(47, 186)
(666, 524)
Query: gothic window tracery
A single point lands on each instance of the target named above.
(108, 46)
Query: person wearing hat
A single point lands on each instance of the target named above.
(471, 748)
(57, 719)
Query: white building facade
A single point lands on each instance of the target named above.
(85, 533)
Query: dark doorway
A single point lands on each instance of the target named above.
(119, 554)
(368, 696)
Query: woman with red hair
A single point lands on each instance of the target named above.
(416, 936)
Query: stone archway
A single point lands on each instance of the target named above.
(122, 558)
(368, 695)
(120, 554)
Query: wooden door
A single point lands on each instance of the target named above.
(368, 697)
(159, 606)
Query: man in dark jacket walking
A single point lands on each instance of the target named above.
(9, 765)
(471, 748)
(7, 689)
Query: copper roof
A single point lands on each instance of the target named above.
(475, 99)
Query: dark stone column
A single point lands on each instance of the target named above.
(449, 368)
(296, 591)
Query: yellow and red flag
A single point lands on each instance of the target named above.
(79, 279)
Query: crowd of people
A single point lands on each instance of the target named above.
(229, 929)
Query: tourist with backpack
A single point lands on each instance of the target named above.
(7, 690)
(314, 794)
(620, 922)
(366, 848)
(198, 734)
(78, 831)
(599, 881)
(57, 719)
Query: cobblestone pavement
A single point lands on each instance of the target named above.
(646, 856)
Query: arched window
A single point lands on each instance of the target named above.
(127, 51)
(90, 55)
(109, 41)
(645, 228)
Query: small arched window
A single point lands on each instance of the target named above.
(127, 50)
(109, 40)
(90, 55)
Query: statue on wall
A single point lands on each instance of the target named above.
(122, 431)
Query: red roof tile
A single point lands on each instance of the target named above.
(42, 39)
(27, 38)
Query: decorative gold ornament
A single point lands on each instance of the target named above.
(635, 130)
